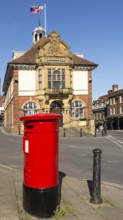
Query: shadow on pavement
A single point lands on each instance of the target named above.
(90, 186)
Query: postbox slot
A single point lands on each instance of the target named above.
(29, 126)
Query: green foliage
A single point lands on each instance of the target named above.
(58, 213)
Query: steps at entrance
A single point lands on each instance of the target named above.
(72, 132)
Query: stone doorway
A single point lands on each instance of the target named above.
(56, 107)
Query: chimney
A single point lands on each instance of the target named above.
(114, 88)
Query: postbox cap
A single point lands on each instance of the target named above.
(42, 116)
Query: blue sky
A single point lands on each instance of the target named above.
(91, 27)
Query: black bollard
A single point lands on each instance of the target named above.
(80, 132)
(19, 128)
(64, 132)
(96, 191)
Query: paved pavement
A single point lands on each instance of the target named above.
(75, 199)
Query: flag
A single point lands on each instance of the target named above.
(36, 9)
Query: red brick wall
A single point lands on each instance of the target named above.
(15, 101)
(90, 95)
(1, 101)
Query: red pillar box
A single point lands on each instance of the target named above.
(41, 180)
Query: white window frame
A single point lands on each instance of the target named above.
(77, 109)
(114, 101)
(111, 111)
(30, 108)
(121, 109)
(111, 101)
(121, 99)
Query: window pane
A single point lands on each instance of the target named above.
(79, 104)
(30, 105)
(49, 71)
(63, 84)
(54, 77)
(49, 84)
(56, 72)
(56, 85)
(76, 104)
(63, 71)
(49, 77)
(77, 109)
(76, 113)
(58, 77)
(30, 108)
(63, 77)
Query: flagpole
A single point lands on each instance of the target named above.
(0, 86)
(45, 18)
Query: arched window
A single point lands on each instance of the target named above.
(77, 109)
(36, 37)
(30, 108)
(40, 35)
(56, 79)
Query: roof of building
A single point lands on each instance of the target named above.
(115, 93)
(111, 94)
(29, 56)
(39, 28)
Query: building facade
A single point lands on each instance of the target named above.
(112, 111)
(99, 109)
(1, 111)
(115, 109)
(48, 78)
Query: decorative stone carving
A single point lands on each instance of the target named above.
(47, 99)
(54, 49)
(70, 98)
(40, 98)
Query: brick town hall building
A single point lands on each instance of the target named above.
(48, 78)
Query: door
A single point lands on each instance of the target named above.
(55, 107)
